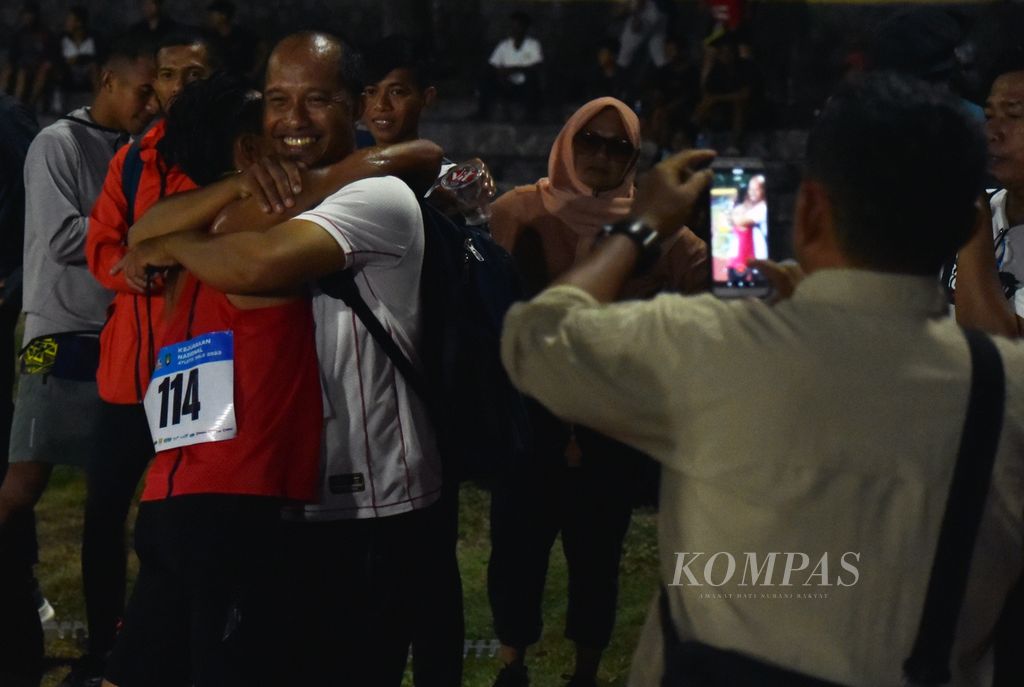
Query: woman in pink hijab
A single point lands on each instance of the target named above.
(577, 482)
(590, 183)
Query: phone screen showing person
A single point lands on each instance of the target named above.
(739, 227)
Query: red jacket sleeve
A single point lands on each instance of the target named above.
(108, 227)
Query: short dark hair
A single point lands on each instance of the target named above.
(204, 121)
(224, 7)
(903, 164)
(398, 52)
(190, 36)
(1010, 59)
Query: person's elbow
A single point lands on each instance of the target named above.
(423, 175)
(529, 347)
(432, 155)
(66, 246)
(544, 352)
(224, 224)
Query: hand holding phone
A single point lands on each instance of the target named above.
(667, 196)
(784, 277)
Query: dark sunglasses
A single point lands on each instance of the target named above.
(589, 143)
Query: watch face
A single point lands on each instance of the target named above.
(639, 232)
(647, 235)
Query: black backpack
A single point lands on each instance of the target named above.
(466, 287)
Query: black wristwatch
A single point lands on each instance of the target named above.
(646, 238)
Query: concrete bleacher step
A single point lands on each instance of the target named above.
(516, 153)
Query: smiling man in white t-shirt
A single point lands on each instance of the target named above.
(380, 468)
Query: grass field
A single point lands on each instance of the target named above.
(60, 525)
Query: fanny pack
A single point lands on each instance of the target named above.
(70, 355)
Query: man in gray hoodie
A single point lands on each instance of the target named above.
(57, 403)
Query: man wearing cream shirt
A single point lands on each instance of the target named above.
(807, 447)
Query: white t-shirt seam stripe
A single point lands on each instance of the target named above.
(401, 429)
(364, 418)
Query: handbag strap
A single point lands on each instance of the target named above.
(929, 661)
(345, 288)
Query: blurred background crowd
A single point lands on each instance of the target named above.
(742, 76)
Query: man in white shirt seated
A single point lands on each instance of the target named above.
(513, 72)
(807, 448)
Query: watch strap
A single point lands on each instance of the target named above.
(643, 235)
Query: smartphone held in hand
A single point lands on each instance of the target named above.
(738, 214)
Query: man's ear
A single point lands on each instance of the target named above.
(814, 227)
(106, 80)
(429, 96)
(812, 207)
(247, 150)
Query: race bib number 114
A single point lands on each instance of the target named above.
(190, 399)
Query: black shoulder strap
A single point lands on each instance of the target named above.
(91, 125)
(131, 173)
(929, 661)
(343, 286)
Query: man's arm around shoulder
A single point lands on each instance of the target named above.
(289, 254)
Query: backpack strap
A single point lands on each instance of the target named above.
(343, 286)
(929, 661)
(131, 173)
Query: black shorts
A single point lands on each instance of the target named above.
(202, 558)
